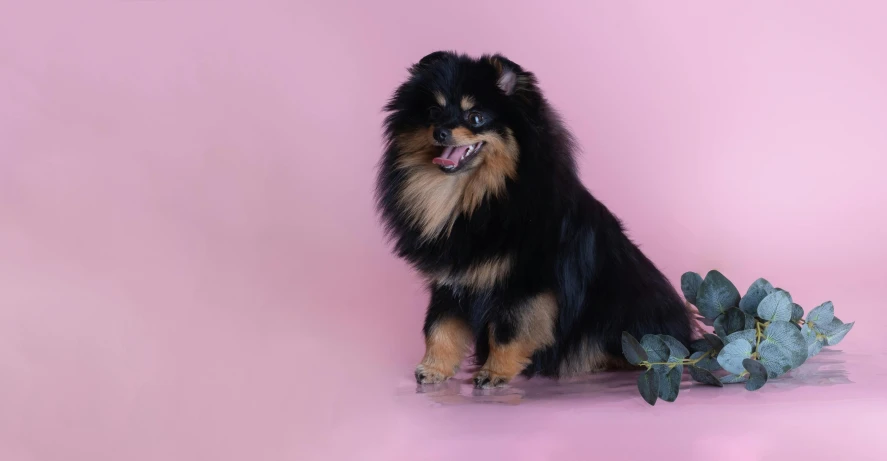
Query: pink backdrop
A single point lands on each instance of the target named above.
(191, 268)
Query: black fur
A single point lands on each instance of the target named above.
(561, 238)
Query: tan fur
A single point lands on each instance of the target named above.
(535, 330)
(467, 102)
(441, 100)
(479, 276)
(445, 347)
(435, 199)
(588, 358)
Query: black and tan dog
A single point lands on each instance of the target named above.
(479, 192)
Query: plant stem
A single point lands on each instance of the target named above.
(758, 336)
(682, 362)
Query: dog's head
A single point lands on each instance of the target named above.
(459, 114)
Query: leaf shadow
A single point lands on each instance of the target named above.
(828, 368)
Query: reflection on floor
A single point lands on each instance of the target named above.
(829, 368)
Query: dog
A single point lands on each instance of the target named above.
(478, 191)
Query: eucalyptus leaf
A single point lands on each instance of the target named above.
(782, 348)
(632, 350)
(648, 385)
(776, 306)
(731, 321)
(707, 343)
(822, 314)
(700, 345)
(797, 312)
(709, 363)
(814, 344)
(808, 334)
(704, 376)
(777, 360)
(786, 335)
(670, 384)
(705, 321)
(690, 282)
(749, 335)
(756, 292)
(826, 328)
(716, 343)
(732, 355)
(716, 295)
(734, 379)
(675, 348)
(757, 374)
(833, 337)
(656, 349)
(661, 369)
(815, 348)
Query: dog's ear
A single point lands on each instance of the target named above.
(429, 59)
(511, 77)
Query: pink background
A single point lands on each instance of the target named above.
(191, 268)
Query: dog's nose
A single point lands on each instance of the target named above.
(441, 134)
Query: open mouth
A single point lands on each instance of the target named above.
(452, 158)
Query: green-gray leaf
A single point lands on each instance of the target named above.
(749, 335)
(716, 294)
(776, 306)
(670, 385)
(814, 348)
(632, 349)
(797, 312)
(704, 376)
(733, 354)
(782, 348)
(777, 360)
(733, 379)
(690, 282)
(716, 343)
(675, 348)
(700, 345)
(656, 349)
(833, 337)
(756, 292)
(822, 314)
(757, 374)
(814, 345)
(709, 363)
(825, 328)
(648, 384)
(731, 321)
(789, 336)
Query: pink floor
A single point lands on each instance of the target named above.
(833, 407)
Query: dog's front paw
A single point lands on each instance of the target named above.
(487, 379)
(429, 374)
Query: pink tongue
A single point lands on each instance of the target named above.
(450, 155)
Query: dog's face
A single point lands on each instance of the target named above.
(456, 114)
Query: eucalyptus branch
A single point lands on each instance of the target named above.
(682, 362)
(759, 336)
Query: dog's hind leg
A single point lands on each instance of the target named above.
(515, 334)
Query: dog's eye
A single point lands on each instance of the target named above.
(434, 112)
(476, 119)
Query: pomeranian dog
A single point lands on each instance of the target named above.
(478, 191)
